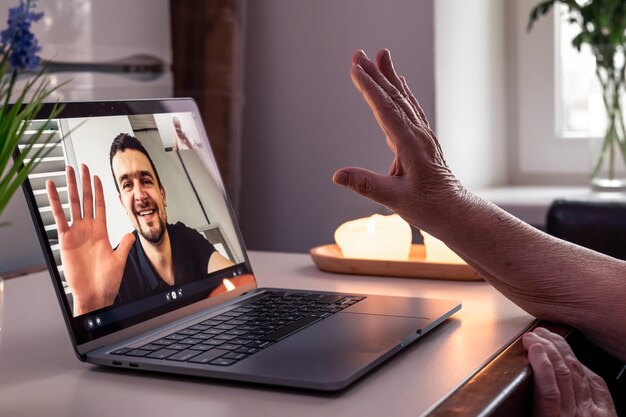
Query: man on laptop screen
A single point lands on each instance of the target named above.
(156, 256)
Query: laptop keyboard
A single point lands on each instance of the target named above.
(245, 330)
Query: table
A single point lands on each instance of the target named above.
(40, 374)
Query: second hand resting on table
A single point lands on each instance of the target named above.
(550, 281)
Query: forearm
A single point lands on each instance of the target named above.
(548, 277)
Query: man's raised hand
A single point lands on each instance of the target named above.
(93, 270)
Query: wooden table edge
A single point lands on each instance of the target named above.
(502, 387)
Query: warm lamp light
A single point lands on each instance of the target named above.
(438, 252)
(229, 285)
(376, 237)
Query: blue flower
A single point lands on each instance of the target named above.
(17, 40)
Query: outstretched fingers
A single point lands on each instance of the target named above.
(393, 91)
(391, 118)
(57, 208)
(72, 191)
(87, 192)
(419, 110)
(101, 213)
(123, 249)
(414, 102)
(385, 66)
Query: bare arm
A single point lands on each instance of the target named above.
(217, 262)
(548, 277)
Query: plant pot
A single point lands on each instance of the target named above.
(608, 151)
(608, 165)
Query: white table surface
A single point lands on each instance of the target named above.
(41, 376)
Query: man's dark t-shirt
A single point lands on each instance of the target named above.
(190, 256)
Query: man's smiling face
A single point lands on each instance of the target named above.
(141, 194)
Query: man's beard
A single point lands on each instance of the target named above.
(153, 235)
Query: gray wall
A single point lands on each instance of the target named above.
(303, 118)
(19, 247)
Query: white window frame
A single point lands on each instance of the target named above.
(540, 152)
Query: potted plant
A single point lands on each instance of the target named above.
(602, 26)
(19, 50)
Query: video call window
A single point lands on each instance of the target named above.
(165, 225)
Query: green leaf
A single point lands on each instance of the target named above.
(538, 11)
(14, 120)
(579, 39)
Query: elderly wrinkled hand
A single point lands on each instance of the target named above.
(419, 180)
(563, 385)
(421, 188)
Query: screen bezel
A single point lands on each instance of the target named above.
(80, 335)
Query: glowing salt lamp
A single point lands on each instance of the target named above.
(376, 237)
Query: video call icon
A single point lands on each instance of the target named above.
(172, 295)
(91, 323)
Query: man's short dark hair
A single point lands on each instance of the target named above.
(124, 141)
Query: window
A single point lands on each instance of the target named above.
(51, 167)
(580, 112)
(550, 99)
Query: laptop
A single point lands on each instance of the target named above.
(150, 268)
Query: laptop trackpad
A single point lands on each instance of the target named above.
(332, 351)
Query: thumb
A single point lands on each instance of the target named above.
(124, 247)
(379, 188)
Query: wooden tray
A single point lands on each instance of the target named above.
(329, 258)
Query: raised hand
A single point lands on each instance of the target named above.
(93, 270)
(563, 385)
(419, 178)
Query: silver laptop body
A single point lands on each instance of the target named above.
(287, 337)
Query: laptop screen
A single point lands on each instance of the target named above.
(133, 213)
